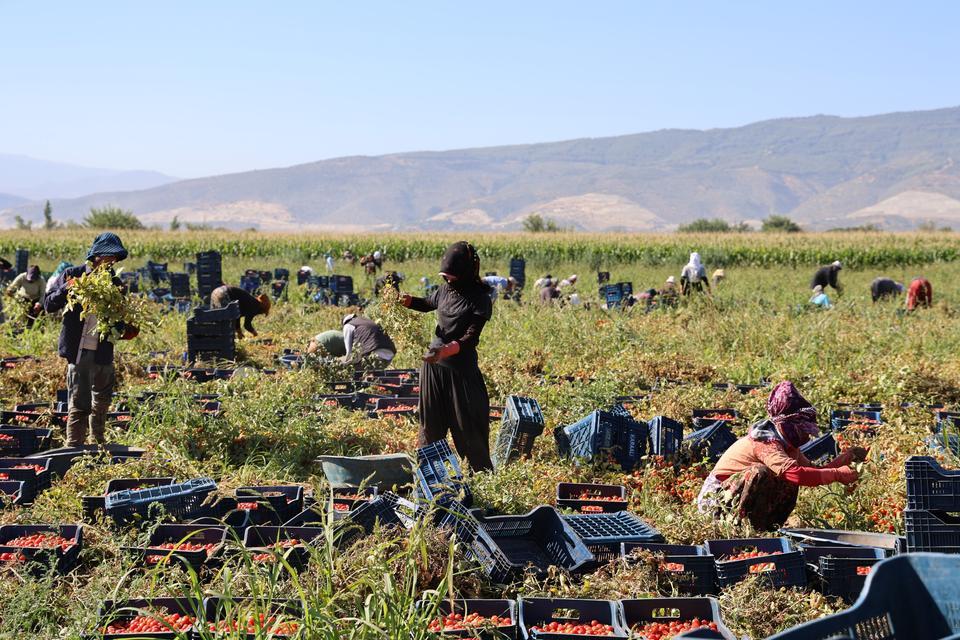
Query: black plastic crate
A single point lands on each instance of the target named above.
(341, 285)
(520, 425)
(25, 470)
(237, 611)
(476, 542)
(706, 417)
(176, 534)
(842, 571)
(21, 258)
(823, 448)
(439, 476)
(386, 510)
(930, 486)
(710, 442)
(119, 612)
(211, 328)
(93, 504)
(623, 526)
(614, 437)
(64, 559)
(289, 542)
(518, 271)
(394, 406)
(250, 284)
(179, 285)
(867, 415)
(639, 612)
(591, 498)
(535, 613)
(23, 416)
(11, 493)
(932, 530)
(783, 567)
(207, 315)
(22, 441)
(486, 608)
(539, 539)
(281, 273)
(346, 400)
(180, 501)
(689, 567)
(285, 500)
(347, 499)
(666, 436)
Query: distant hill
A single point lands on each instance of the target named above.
(35, 179)
(897, 170)
(7, 200)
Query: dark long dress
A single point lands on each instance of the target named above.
(453, 394)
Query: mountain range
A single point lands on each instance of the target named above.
(895, 170)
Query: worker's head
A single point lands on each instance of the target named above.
(265, 303)
(572, 279)
(836, 266)
(347, 318)
(106, 250)
(460, 265)
(794, 417)
(33, 273)
(511, 283)
(671, 280)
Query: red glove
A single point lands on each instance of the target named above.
(129, 333)
(447, 350)
(406, 299)
(846, 475)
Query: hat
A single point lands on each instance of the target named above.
(347, 318)
(572, 279)
(836, 263)
(306, 269)
(265, 303)
(33, 273)
(671, 280)
(107, 245)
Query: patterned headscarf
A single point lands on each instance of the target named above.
(795, 419)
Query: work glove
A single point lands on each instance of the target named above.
(435, 355)
(406, 299)
(846, 475)
(130, 332)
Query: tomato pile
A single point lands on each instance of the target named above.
(591, 508)
(399, 408)
(279, 546)
(40, 541)
(747, 554)
(595, 495)
(593, 628)
(11, 557)
(729, 417)
(457, 621)
(338, 506)
(36, 467)
(6, 438)
(673, 567)
(886, 514)
(157, 623)
(247, 506)
(260, 622)
(186, 546)
(665, 630)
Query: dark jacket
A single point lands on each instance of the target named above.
(249, 306)
(884, 288)
(368, 337)
(826, 276)
(461, 314)
(72, 329)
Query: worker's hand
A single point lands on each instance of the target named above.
(406, 299)
(130, 332)
(70, 282)
(846, 475)
(858, 454)
(441, 353)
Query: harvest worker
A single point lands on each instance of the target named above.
(882, 288)
(694, 276)
(920, 294)
(28, 289)
(668, 294)
(760, 475)
(828, 276)
(250, 307)
(328, 343)
(820, 299)
(365, 340)
(499, 286)
(453, 394)
(89, 356)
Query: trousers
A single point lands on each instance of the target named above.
(454, 400)
(91, 391)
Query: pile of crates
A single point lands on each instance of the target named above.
(933, 500)
(209, 273)
(211, 333)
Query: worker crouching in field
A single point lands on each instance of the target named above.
(758, 478)
(27, 290)
(885, 288)
(366, 342)
(329, 344)
(819, 298)
(90, 372)
(453, 394)
(250, 306)
(920, 294)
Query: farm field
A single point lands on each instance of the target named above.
(571, 360)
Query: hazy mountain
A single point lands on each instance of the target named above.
(897, 169)
(7, 200)
(41, 179)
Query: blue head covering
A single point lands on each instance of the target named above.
(107, 244)
(63, 266)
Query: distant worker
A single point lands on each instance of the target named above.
(920, 294)
(549, 291)
(542, 282)
(882, 288)
(348, 257)
(369, 265)
(568, 282)
(819, 298)
(28, 289)
(828, 276)
(499, 286)
(329, 261)
(694, 276)
(378, 259)
(328, 343)
(668, 294)
(366, 342)
(250, 306)
(389, 280)
(719, 276)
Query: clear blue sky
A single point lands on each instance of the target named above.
(201, 87)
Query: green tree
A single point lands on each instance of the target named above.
(48, 222)
(110, 217)
(22, 224)
(535, 223)
(703, 225)
(780, 224)
(175, 224)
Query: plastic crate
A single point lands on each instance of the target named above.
(838, 568)
(21, 416)
(475, 541)
(823, 448)
(911, 597)
(21, 258)
(666, 436)
(237, 611)
(930, 486)
(22, 441)
(785, 569)
(287, 504)
(539, 539)
(114, 612)
(704, 417)
(11, 493)
(34, 481)
(93, 504)
(250, 284)
(341, 285)
(202, 315)
(180, 501)
(177, 533)
(602, 528)
(63, 560)
(395, 406)
(569, 496)
(260, 539)
(439, 476)
(691, 569)
(518, 271)
(841, 538)
(710, 442)
(179, 285)
(485, 608)
(384, 471)
(870, 415)
(639, 612)
(932, 530)
(602, 433)
(386, 510)
(536, 612)
(520, 425)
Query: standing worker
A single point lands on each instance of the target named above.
(828, 275)
(90, 372)
(453, 394)
(250, 307)
(920, 294)
(693, 277)
(882, 288)
(28, 289)
(364, 339)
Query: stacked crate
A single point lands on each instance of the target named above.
(209, 273)
(211, 333)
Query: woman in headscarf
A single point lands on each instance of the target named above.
(453, 394)
(819, 298)
(694, 276)
(920, 294)
(760, 475)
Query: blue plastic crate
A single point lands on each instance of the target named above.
(837, 568)
(518, 271)
(933, 530)
(603, 528)
(520, 425)
(602, 498)
(478, 545)
(203, 315)
(839, 418)
(820, 448)
(439, 476)
(710, 442)
(605, 435)
(909, 597)
(181, 501)
(666, 436)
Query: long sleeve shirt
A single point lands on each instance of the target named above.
(26, 290)
(461, 316)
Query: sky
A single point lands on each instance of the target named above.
(202, 88)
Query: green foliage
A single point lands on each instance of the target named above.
(96, 293)
(110, 217)
(175, 224)
(703, 225)
(535, 223)
(48, 221)
(780, 224)
(22, 225)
